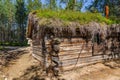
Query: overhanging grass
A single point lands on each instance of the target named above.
(82, 18)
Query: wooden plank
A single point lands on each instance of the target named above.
(75, 52)
(38, 54)
(66, 41)
(72, 67)
(69, 44)
(40, 58)
(67, 57)
(70, 48)
(81, 60)
(67, 52)
(36, 47)
(73, 44)
(77, 44)
(40, 50)
(74, 49)
(37, 51)
(89, 62)
(37, 43)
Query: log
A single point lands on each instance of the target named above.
(73, 67)
(38, 57)
(72, 62)
(81, 63)
(67, 57)
(71, 49)
(74, 52)
(80, 60)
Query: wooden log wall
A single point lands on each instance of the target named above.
(36, 49)
(77, 53)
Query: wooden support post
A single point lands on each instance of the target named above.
(54, 54)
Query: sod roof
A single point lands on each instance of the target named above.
(66, 23)
(64, 18)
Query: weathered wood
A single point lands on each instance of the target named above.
(37, 50)
(37, 53)
(68, 65)
(40, 58)
(71, 64)
(77, 41)
(81, 60)
(74, 48)
(66, 57)
(74, 52)
(72, 43)
(38, 47)
(73, 67)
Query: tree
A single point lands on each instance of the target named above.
(7, 11)
(97, 6)
(34, 5)
(114, 7)
(100, 4)
(20, 16)
(51, 4)
(73, 4)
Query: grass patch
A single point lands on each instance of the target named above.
(13, 43)
(1, 47)
(76, 16)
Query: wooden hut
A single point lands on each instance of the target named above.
(66, 46)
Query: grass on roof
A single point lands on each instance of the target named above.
(80, 17)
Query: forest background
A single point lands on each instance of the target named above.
(14, 14)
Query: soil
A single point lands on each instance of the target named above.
(98, 71)
(25, 67)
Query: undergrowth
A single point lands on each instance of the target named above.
(13, 44)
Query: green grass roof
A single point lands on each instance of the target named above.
(74, 16)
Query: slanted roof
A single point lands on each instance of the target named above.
(64, 17)
(66, 23)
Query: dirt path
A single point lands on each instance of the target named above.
(17, 67)
(27, 68)
(107, 71)
(108, 74)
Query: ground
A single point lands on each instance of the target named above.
(99, 71)
(25, 67)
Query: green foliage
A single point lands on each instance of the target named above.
(24, 43)
(20, 12)
(13, 15)
(114, 8)
(115, 19)
(75, 5)
(73, 16)
(33, 5)
(7, 11)
(1, 48)
(51, 4)
(97, 5)
(21, 17)
(71, 5)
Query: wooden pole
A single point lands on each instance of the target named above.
(107, 11)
